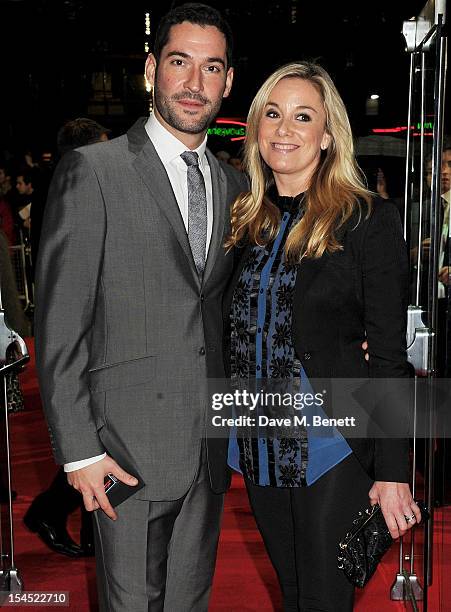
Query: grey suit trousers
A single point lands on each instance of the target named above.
(159, 556)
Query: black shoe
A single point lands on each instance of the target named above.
(54, 536)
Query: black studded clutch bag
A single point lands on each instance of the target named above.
(360, 551)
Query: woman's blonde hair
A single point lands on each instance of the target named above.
(335, 187)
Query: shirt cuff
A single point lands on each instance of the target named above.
(78, 465)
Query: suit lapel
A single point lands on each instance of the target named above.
(150, 168)
(219, 189)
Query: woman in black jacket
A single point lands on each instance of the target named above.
(323, 264)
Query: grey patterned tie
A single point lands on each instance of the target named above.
(197, 210)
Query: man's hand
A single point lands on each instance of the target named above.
(444, 275)
(89, 481)
(365, 348)
(397, 505)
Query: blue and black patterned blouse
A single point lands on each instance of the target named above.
(262, 348)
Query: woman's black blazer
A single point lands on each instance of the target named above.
(343, 297)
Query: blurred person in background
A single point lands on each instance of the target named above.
(444, 273)
(384, 176)
(223, 156)
(11, 303)
(80, 132)
(236, 163)
(73, 134)
(31, 196)
(7, 199)
(7, 225)
(5, 180)
(381, 184)
(26, 184)
(442, 460)
(15, 319)
(28, 159)
(444, 268)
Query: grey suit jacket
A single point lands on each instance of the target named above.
(126, 334)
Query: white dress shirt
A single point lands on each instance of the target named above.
(169, 149)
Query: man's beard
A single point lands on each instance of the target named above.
(190, 125)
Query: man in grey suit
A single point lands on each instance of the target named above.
(130, 281)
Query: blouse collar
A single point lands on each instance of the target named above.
(290, 204)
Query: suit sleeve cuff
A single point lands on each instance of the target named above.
(78, 465)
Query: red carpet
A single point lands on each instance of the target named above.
(244, 580)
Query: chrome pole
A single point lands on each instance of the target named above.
(421, 190)
(439, 101)
(409, 156)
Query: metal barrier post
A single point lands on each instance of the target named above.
(13, 356)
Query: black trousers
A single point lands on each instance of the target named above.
(301, 528)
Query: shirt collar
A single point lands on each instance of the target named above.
(447, 196)
(168, 147)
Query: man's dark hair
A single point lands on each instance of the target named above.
(198, 14)
(79, 132)
(29, 175)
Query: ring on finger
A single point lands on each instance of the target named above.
(409, 518)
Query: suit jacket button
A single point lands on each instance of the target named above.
(202, 351)
(307, 356)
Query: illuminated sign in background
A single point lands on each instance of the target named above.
(233, 129)
(428, 127)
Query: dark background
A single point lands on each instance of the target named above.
(49, 50)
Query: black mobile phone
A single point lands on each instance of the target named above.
(117, 491)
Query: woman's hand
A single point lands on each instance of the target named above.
(397, 505)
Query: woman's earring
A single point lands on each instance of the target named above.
(325, 145)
